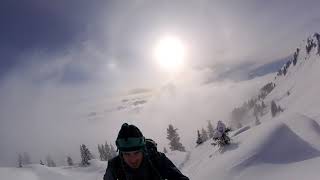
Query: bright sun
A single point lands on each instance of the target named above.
(170, 53)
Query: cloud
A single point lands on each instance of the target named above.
(189, 106)
(42, 114)
(215, 32)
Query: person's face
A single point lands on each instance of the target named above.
(133, 159)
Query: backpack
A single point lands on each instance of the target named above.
(151, 152)
(151, 147)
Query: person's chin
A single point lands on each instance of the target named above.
(135, 166)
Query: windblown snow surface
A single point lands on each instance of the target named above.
(287, 147)
(284, 147)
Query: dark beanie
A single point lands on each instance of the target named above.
(130, 138)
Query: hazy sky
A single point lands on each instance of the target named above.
(61, 59)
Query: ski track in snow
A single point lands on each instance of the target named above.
(187, 158)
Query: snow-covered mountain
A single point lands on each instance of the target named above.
(293, 89)
(285, 145)
(296, 85)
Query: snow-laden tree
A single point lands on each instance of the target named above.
(20, 160)
(210, 129)
(173, 137)
(102, 152)
(50, 162)
(69, 161)
(204, 135)
(107, 151)
(113, 152)
(275, 109)
(199, 139)
(257, 121)
(85, 155)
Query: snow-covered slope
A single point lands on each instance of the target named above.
(297, 90)
(40, 172)
(93, 172)
(287, 147)
(295, 87)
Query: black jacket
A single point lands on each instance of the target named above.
(159, 168)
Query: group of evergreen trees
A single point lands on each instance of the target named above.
(106, 151)
(23, 159)
(265, 90)
(254, 107)
(275, 109)
(310, 44)
(295, 57)
(219, 134)
(173, 137)
(85, 155)
(205, 134)
(317, 36)
(50, 162)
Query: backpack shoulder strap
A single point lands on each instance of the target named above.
(153, 157)
(116, 168)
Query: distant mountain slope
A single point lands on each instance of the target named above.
(245, 71)
(295, 88)
(269, 67)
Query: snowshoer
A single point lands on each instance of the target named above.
(139, 159)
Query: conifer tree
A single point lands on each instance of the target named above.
(69, 161)
(85, 155)
(113, 151)
(174, 139)
(257, 121)
(102, 153)
(107, 151)
(199, 139)
(20, 160)
(204, 135)
(210, 130)
(50, 162)
(274, 108)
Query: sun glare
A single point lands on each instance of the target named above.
(169, 52)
